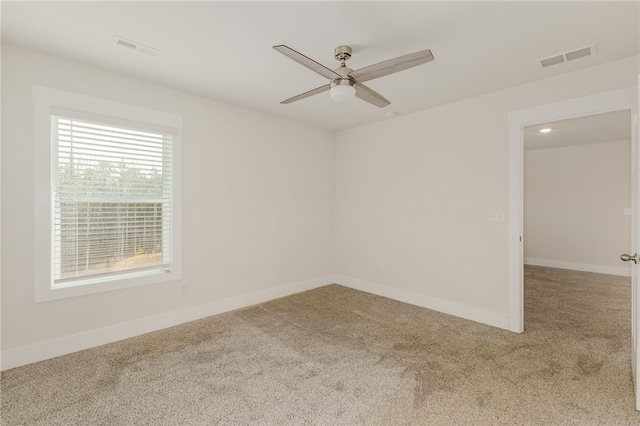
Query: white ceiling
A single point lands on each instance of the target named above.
(607, 127)
(223, 50)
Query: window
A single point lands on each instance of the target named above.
(107, 204)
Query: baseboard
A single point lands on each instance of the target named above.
(53, 348)
(452, 308)
(585, 267)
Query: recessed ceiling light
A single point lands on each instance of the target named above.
(547, 130)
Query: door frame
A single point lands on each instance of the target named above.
(613, 100)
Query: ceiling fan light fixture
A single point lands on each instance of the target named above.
(345, 83)
(342, 91)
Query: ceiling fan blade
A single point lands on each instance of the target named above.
(391, 66)
(315, 91)
(307, 62)
(369, 95)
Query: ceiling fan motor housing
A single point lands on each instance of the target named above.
(342, 82)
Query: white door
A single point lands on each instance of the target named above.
(635, 239)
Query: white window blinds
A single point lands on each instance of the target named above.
(112, 199)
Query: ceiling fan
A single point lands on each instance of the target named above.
(346, 83)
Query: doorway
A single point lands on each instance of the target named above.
(577, 193)
(615, 100)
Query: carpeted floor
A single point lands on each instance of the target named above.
(338, 356)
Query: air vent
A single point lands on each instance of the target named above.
(126, 44)
(580, 53)
(552, 61)
(132, 45)
(568, 56)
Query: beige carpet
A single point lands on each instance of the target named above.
(338, 356)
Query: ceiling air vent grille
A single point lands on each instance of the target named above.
(547, 62)
(580, 53)
(568, 56)
(132, 45)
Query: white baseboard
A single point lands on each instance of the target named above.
(624, 271)
(435, 304)
(52, 348)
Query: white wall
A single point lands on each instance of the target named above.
(414, 195)
(257, 207)
(573, 207)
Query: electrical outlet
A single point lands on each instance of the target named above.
(184, 288)
(380, 269)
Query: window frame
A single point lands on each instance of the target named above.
(48, 102)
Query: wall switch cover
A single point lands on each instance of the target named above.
(496, 216)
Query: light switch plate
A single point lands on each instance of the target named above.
(496, 216)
